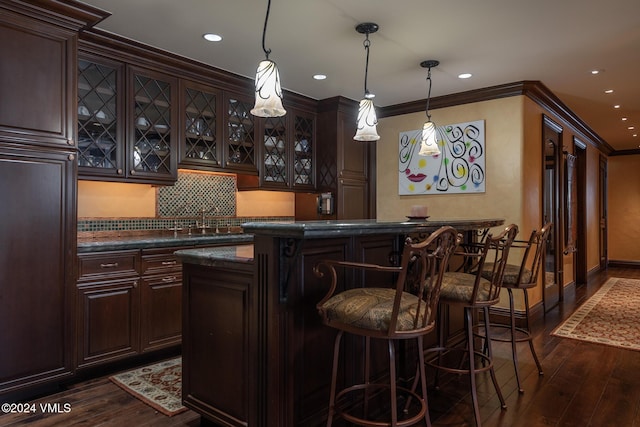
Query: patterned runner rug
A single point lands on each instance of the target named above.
(611, 316)
(158, 385)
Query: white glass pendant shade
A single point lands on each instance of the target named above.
(268, 91)
(429, 144)
(367, 122)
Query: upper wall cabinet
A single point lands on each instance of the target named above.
(240, 134)
(200, 120)
(127, 122)
(35, 79)
(286, 153)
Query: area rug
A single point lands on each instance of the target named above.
(611, 316)
(158, 385)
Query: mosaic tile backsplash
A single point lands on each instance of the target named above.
(193, 192)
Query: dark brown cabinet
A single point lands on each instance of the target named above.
(127, 122)
(200, 121)
(285, 153)
(161, 296)
(129, 302)
(108, 305)
(240, 140)
(344, 165)
(38, 191)
(36, 261)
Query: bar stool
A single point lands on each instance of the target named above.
(523, 277)
(406, 310)
(472, 292)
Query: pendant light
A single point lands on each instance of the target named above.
(367, 120)
(429, 144)
(268, 90)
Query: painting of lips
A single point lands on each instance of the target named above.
(415, 177)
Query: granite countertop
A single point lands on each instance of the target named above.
(334, 228)
(161, 239)
(217, 257)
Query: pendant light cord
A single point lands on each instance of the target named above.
(366, 44)
(429, 93)
(264, 31)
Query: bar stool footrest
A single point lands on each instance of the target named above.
(401, 391)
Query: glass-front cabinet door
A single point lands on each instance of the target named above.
(200, 121)
(240, 138)
(99, 118)
(152, 152)
(303, 149)
(126, 122)
(275, 151)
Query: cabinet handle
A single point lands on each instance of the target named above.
(109, 265)
(169, 279)
(169, 262)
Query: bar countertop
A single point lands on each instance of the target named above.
(335, 228)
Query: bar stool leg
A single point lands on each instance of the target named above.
(514, 351)
(334, 376)
(392, 384)
(530, 337)
(423, 380)
(367, 371)
(472, 365)
(492, 371)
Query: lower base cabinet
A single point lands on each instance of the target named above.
(129, 302)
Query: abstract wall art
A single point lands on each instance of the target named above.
(459, 168)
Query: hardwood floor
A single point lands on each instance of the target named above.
(583, 385)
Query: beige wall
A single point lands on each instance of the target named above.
(503, 136)
(624, 208)
(123, 200)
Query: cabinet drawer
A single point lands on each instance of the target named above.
(120, 263)
(158, 261)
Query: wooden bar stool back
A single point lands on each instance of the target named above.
(400, 305)
(471, 291)
(522, 277)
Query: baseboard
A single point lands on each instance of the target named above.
(623, 264)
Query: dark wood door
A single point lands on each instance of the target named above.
(108, 321)
(37, 251)
(37, 80)
(161, 311)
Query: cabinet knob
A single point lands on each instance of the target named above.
(135, 283)
(71, 157)
(132, 172)
(119, 171)
(70, 141)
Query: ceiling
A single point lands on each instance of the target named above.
(498, 41)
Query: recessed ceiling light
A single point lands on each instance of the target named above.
(464, 75)
(624, 119)
(594, 72)
(608, 91)
(320, 76)
(616, 106)
(212, 37)
(631, 127)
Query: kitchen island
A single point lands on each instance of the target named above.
(255, 352)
